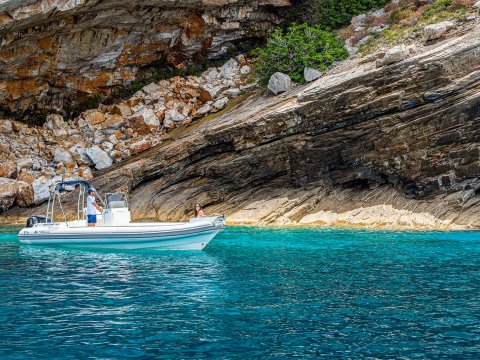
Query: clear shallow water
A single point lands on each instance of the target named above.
(253, 293)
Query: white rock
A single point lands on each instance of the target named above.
(62, 156)
(396, 54)
(151, 89)
(55, 121)
(229, 69)
(41, 189)
(108, 146)
(79, 153)
(173, 115)
(477, 5)
(99, 157)
(310, 74)
(6, 126)
(279, 83)
(220, 103)
(437, 31)
(145, 120)
(205, 109)
(211, 73)
(245, 69)
(8, 193)
(233, 93)
(248, 86)
(25, 163)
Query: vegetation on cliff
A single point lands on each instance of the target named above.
(298, 47)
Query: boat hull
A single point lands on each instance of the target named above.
(182, 236)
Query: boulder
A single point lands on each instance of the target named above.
(245, 70)
(279, 83)
(99, 157)
(153, 91)
(394, 55)
(122, 110)
(220, 103)
(310, 74)
(205, 109)
(8, 170)
(437, 31)
(55, 122)
(8, 193)
(93, 117)
(6, 126)
(140, 146)
(114, 121)
(233, 93)
(229, 69)
(25, 163)
(62, 156)
(26, 176)
(173, 115)
(85, 173)
(41, 189)
(79, 154)
(477, 5)
(205, 95)
(144, 121)
(25, 195)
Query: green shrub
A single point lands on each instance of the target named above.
(298, 47)
(334, 13)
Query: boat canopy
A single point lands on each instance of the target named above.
(61, 185)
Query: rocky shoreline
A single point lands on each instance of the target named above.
(394, 146)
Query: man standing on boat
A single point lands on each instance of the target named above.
(92, 208)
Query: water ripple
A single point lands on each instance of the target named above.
(253, 293)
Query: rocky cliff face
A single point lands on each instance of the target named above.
(395, 145)
(56, 51)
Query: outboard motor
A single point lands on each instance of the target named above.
(37, 219)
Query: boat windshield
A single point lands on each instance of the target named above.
(116, 200)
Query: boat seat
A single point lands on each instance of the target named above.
(117, 204)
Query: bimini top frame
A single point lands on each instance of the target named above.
(60, 188)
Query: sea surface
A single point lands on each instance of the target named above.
(253, 293)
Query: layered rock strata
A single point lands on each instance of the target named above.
(54, 51)
(393, 146)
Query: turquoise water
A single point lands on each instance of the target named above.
(252, 294)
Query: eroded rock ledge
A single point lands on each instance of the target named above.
(395, 146)
(52, 51)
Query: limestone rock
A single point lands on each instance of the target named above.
(205, 109)
(310, 74)
(279, 83)
(8, 169)
(122, 109)
(41, 189)
(99, 157)
(25, 163)
(245, 70)
(97, 46)
(55, 122)
(94, 117)
(25, 195)
(220, 103)
(8, 193)
(140, 146)
(62, 156)
(477, 5)
(396, 54)
(437, 31)
(144, 121)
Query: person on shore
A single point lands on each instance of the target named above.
(92, 208)
(198, 211)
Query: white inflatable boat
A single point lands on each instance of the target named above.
(114, 228)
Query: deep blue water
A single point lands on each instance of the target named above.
(252, 294)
